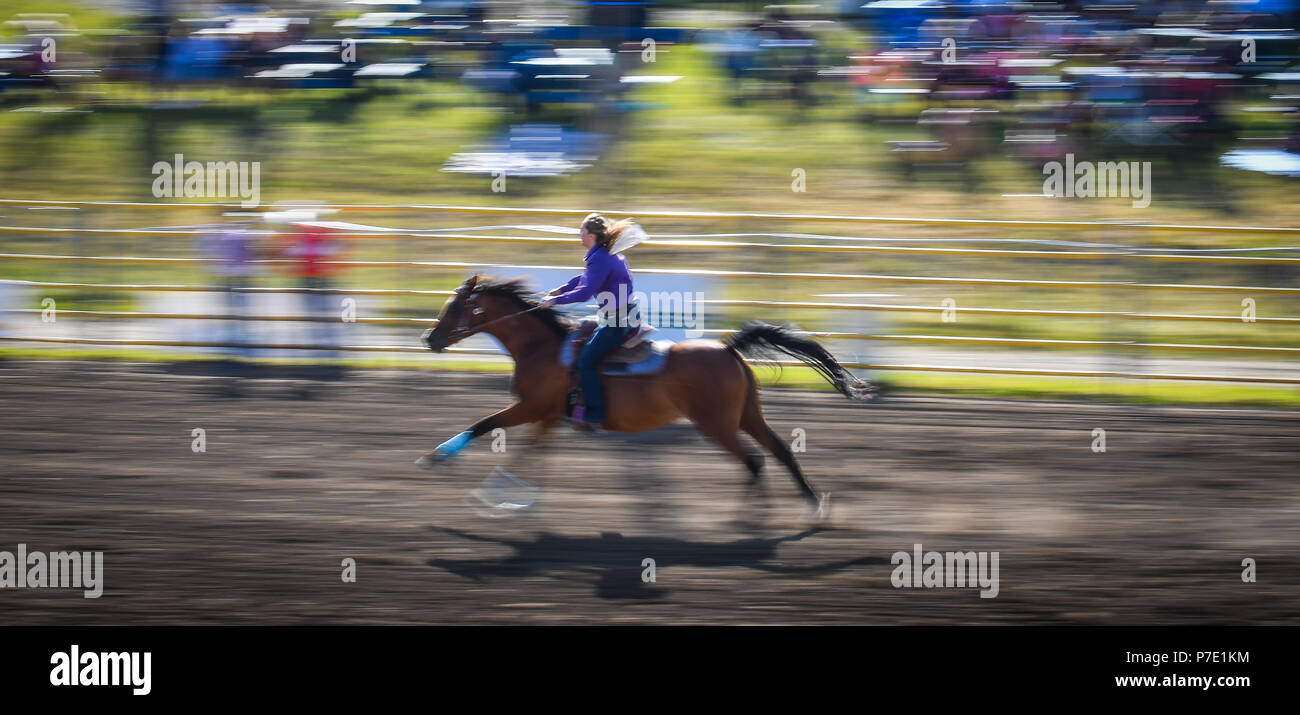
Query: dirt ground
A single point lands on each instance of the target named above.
(299, 474)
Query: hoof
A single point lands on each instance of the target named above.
(587, 427)
(821, 511)
(505, 494)
(428, 461)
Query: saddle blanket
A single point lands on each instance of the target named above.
(646, 358)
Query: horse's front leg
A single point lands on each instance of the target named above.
(528, 457)
(540, 445)
(516, 414)
(505, 493)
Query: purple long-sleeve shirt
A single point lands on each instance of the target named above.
(606, 273)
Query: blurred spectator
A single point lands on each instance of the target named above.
(311, 248)
(231, 250)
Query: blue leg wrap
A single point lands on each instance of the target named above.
(448, 449)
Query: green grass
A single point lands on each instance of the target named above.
(1042, 388)
(84, 16)
(691, 149)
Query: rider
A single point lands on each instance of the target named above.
(606, 278)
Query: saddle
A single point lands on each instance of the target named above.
(638, 355)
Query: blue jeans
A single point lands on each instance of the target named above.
(603, 342)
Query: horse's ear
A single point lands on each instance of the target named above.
(471, 281)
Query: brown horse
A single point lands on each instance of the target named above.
(706, 381)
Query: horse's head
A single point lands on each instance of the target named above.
(465, 312)
(480, 301)
(458, 316)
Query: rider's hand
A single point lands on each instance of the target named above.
(549, 302)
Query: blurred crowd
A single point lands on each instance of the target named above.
(511, 47)
(1036, 81)
(1154, 77)
(1032, 79)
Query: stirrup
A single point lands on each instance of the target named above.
(579, 423)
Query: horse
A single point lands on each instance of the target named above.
(706, 381)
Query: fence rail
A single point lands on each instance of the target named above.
(937, 339)
(702, 272)
(785, 363)
(695, 215)
(823, 245)
(1121, 252)
(811, 305)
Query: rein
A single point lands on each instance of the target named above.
(461, 332)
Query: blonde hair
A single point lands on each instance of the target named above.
(606, 233)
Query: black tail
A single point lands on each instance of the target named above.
(763, 340)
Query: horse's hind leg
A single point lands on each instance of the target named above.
(727, 434)
(751, 420)
(719, 420)
(728, 437)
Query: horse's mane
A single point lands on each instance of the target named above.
(515, 290)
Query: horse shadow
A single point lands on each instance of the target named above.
(616, 561)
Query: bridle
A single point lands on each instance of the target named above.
(461, 331)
